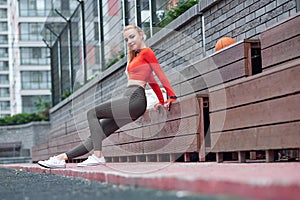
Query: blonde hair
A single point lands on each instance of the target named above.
(130, 54)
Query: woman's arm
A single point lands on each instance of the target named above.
(152, 60)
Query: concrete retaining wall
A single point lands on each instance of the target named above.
(29, 134)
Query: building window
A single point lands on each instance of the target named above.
(4, 79)
(4, 66)
(35, 56)
(3, 39)
(4, 92)
(31, 31)
(95, 8)
(36, 80)
(4, 105)
(28, 103)
(34, 8)
(3, 2)
(3, 53)
(3, 26)
(3, 13)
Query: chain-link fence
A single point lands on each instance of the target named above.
(85, 37)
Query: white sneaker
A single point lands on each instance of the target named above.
(92, 161)
(53, 163)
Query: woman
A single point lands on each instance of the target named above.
(108, 117)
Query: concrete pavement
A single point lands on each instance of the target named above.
(248, 180)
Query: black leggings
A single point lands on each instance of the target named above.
(108, 117)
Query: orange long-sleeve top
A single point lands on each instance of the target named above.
(141, 68)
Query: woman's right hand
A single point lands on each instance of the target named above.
(158, 106)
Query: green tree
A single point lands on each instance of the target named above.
(43, 106)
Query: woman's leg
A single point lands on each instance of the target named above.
(112, 116)
(104, 120)
(115, 114)
(79, 150)
(108, 125)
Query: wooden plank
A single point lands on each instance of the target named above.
(219, 157)
(270, 156)
(186, 143)
(185, 126)
(172, 157)
(201, 131)
(282, 52)
(186, 106)
(258, 138)
(187, 157)
(113, 139)
(220, 59)
(263, 86)
(252, 155)
(242, 156)
(123, 150)
(220, 76)
(273, 111)
(129, 136)
(280, 32)
(215, 70)
(131, 126)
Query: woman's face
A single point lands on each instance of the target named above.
(133, 39)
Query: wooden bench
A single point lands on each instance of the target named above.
(180, 135)
(237, 61)
(280, 43)
(261, 113)
(10, 149)
(162, 136)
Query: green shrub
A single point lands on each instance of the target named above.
(182, 6)
(22, 118)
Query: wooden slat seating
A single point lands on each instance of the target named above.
(281, 42)
(175, 132)
(158, 134)
(237, 61)
(10, 149)
(261, 112)
(183, 132)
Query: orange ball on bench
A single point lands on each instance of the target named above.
(224, 42)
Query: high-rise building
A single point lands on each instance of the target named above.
(4, 60)
(84, 37)
(24, 57)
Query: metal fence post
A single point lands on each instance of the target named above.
(70, 50)
(83, 41)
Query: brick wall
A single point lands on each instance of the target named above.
(178, 45)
